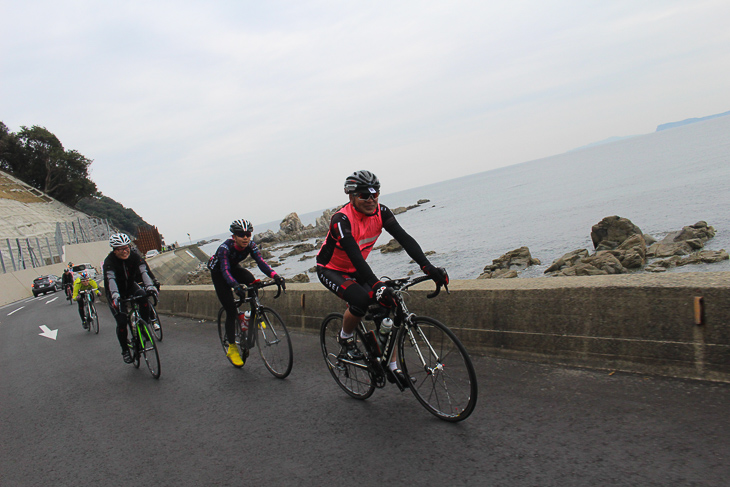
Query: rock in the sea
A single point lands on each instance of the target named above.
(514, 261)
(602, 263)
(619, 245)
(291, 224)
(683, 242)
(612, 231)
(567, 260)
(701, 257)
(299, 278)
(299, 249)
(392, 246)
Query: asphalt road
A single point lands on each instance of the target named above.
(72, 413)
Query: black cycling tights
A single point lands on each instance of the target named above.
(225, 296)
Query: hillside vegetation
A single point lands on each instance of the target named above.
(37, 157)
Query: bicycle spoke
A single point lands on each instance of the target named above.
(149, 348)
(445, 379)
(273, 342)
(352, 376)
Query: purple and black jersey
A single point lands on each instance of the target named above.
(228, 256)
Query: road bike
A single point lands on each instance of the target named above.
(141, 340)
(438, 368)
(68, 289)
(266, 330)
(91, 318)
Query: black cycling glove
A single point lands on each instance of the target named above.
(438, 274)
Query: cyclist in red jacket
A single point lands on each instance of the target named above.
(341, 262)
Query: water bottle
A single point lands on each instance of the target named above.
(385, 326)
(243, 318)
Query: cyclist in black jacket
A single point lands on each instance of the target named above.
(122, 270)
(67, 279)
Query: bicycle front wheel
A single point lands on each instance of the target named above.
(93, 318)
(149, 348)
(352, 376)
(445, 381)
(87, 315)
(155, 323)
(274, 343)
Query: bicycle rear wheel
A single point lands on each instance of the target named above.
(273, 342)
(446, 384)
(149, 348)
(352, 376)
(224, 341)
(155, 323)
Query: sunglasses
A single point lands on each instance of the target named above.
(242, 234)
(122, 249)
(367, 196)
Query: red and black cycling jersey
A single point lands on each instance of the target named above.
(228, 256)
(353, 234)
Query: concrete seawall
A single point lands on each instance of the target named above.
(636, 323)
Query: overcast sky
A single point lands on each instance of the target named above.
(197, 113)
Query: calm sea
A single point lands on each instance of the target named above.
(660, 181)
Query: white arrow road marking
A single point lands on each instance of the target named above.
(16, 310)
(52, 300)
(48, 333)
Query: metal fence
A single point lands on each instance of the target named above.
(25, 253)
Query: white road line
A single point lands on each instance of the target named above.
(52, 300)
(15, 310)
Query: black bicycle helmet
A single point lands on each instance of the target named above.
(361, 181)
(241, 226)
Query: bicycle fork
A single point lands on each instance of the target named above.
(429, 370)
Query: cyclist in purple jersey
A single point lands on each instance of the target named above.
(227, 275)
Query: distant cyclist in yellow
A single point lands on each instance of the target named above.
(84, 283)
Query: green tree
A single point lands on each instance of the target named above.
(126, 219)
(59, 173)
(11, 153)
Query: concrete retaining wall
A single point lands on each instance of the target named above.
(16, 285)
(636, 323)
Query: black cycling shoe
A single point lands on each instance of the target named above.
(349, 348)
(127, 357)
(400, 377)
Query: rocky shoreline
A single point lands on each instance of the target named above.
(620, 247)
(291, 229)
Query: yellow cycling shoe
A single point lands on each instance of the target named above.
(234, 356)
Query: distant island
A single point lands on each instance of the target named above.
(688, 121)
(659, 128)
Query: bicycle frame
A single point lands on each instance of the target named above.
(133, 319)
(402, 320)
(256, 306)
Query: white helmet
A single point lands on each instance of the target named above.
(241, 225)
(119, 240)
